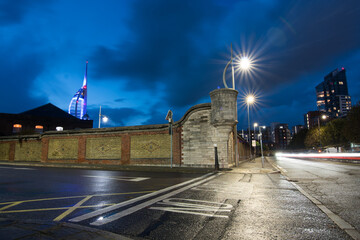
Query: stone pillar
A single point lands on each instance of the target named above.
(223, 119)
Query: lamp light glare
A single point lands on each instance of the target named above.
(250, 99)
(245, 63)
(105, 119)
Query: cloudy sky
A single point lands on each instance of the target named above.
(146, 57)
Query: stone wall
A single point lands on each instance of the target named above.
(197, 137)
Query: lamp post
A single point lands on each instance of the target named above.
(244, 64)
(255, 125)
(250, 99)
(261, 146)
(103, 117)
(322, 117)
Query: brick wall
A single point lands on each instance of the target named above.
(143, 145)
(194, 136)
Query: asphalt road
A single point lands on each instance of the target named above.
(335, 185)
(140, 205)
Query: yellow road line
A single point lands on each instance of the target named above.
(71, 209)
(10, 205)
(59, 198)
(52, 209)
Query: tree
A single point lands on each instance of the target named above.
(333, 134)
(352, 125)
(298, 141)
(312, 138)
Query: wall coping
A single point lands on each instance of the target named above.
(196, 108)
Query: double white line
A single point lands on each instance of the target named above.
(103, 220)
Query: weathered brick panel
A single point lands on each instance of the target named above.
(103, 148)
(28, 151)
(63, 149)
(154, 146)
(4, 151)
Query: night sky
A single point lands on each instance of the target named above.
(146, 57)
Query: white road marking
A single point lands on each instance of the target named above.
(148, 203)
(129, 179)
(15, 168)
(131, 201)
(194, 207)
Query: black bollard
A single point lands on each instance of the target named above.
(216, 158)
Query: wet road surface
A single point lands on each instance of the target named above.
(139, 205)
(335, 185)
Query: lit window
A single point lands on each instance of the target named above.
(334, 108)
(341, 83)
(59, 128)
(39, 129)
(17, 128)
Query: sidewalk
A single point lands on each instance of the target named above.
(254, 166)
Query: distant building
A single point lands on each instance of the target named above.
(280, 134)
(311, 119)
(38, 120)
(78, 103)
(296, 129)
(332, 94)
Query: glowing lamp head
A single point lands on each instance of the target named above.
(105, 119)
(255, 125)
(250, 99)
(324, 117)
(245, 63)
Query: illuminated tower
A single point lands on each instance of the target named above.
(78, 103)
(332, 94)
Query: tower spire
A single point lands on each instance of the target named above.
(78, 103)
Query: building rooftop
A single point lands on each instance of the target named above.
(48, 110)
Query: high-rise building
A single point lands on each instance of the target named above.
(78, 103)
(332, 94)
(280, 134)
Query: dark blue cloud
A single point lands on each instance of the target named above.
(12, 12)
(116, 116)
(178, 49)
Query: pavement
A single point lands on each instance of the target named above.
(34, 229)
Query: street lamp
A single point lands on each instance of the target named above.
(250, 99)
(102, 117)
(244, 64)
(261, 145)
(255, 125)
(323, 117)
